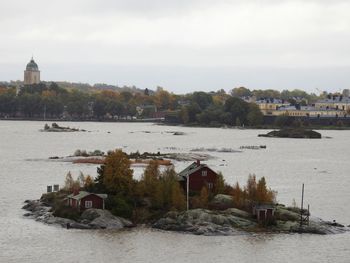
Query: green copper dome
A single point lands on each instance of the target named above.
(32, 66)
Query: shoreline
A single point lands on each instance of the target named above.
(161, 122)
(198, 221)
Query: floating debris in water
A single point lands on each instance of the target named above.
(253, 147)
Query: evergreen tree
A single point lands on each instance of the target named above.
(220, 184)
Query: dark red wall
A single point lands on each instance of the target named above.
(197, 181)
(97, 202)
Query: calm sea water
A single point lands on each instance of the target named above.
(323, 165)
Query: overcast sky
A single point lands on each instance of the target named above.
(182, 45)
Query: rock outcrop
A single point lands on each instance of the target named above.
(233, 221)
(205, 222)
(56, 128)
(293, 133)
(89, 219)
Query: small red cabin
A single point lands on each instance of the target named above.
(85, 200)
(264, 212)
(200, 175)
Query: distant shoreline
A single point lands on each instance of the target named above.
(161, 122)
(78, 120)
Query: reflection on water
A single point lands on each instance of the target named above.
(321, 164)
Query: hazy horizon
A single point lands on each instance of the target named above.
(183, 46)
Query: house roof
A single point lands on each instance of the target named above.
(192, 168)
(83, 194)
(335, 99)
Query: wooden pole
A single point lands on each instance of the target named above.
(187, 191)
(302, 206)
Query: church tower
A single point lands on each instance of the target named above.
(32, 73)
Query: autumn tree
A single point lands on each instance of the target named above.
(151, 185)
(178, 199)
(238, 196)
(204, 197)
(251, 188)
(162, 99)
(117, 175)
(263, 194)
(168, 179)
(89, 182)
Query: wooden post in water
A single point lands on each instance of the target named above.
(302, 206)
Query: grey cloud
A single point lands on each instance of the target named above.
(138, 38)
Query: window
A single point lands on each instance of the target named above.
(210, 185)
(204, 173)
(88, 204)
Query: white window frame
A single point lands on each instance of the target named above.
(88, 204)
(204, 172)
(210, 185)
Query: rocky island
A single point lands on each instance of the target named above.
(56, 128)
(136, 158)
(293, 133)
(114, 200)
(43, 211)
(231, 221)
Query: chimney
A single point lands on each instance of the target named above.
(198, 162)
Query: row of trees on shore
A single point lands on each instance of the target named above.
(158, 192)
(204, 108)
(52, 101)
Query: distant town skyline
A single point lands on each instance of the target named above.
(183, 46)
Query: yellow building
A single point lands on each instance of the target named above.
(267, 106)
(335, 103)
(307, 111)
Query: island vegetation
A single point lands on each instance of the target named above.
(159, 200)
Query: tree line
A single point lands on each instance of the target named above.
(159, 192)
(216, 108)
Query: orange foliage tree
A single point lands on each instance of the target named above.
(117, 175)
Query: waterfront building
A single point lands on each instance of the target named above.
(199, 176)
(84, 200)
(267, 106)
(334, 102)
(307, 111)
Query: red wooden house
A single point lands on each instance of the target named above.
(200, 175)
(85, 200)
